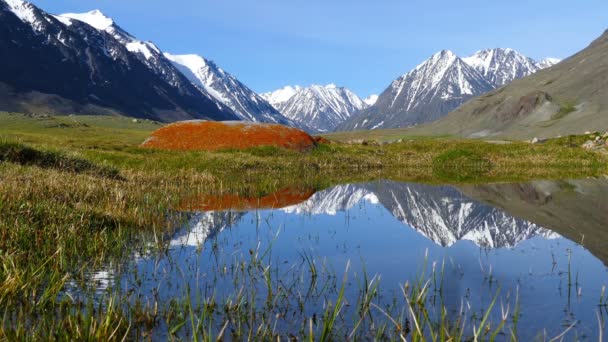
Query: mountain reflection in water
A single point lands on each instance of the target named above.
(440, 213)
(510, 236)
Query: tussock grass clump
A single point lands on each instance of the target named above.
(564, 109)
(25, 155)
(461, 165)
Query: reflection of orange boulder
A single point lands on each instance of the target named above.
(280, 199)
(213, 135)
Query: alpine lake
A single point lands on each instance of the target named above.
(377, 260)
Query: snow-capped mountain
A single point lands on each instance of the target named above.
(440, 213)
(503, 66)
(64, 65)
(227, 89)
(428, 92)
(147, 52)
(316, 108)
(441, 84)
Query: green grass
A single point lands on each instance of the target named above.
(461, 165)
(564, 109)
(24, 155)
(79, 192)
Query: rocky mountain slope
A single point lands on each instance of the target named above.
(568, 98)
(441, 84)
(62, 65)
(316, 108)
(503, 66)
(227, 89)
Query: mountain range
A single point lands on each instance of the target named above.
(441, 84)
(316, 108)
(211, 80)
(58, 64)
(84, 63)
(103, 55)
(227, 89)
(568, 98)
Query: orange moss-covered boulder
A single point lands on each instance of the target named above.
(213, 135)
(283, 198)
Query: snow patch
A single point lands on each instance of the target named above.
(64, 20)
(378, 125)
(145, 48)
(371, 100)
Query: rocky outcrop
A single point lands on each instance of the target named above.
(201, 135)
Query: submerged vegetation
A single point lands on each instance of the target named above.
(77, 193)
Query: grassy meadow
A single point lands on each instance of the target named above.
(77, 192)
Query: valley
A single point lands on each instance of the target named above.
(249, 175)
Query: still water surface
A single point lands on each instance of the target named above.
(390, 231)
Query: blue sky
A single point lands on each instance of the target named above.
(362, 45)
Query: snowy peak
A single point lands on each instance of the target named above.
(443, 76)
(195, 67)
(227, 89)
(548, 62)
(21, 9)
(145, 51)
(27, 13)
(92, 66)
(434, 67)
(94, 18)
(443, 57)
(441, 84)
(210, 80)
(281, 95)
(502, 66)
(318, 108)
(101, 22)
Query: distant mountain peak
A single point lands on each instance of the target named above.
(501, 66)
(25, 11)
(94, 18)
(281, 95)
(227, 89)
(548, 62)
(318, 108)
(444, 58)
(101, 22)
(442, 83)
(444, 54)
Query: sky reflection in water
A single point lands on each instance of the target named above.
(389, 229)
